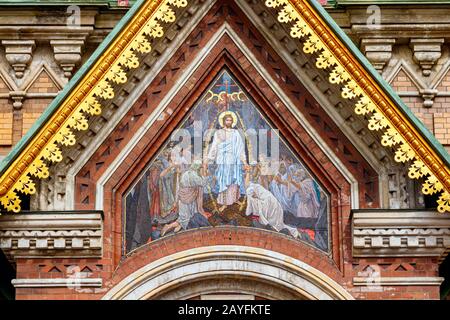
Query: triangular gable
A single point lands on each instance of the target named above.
(309, 22)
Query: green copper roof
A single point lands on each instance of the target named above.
(124, 21)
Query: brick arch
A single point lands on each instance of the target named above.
(254, 254)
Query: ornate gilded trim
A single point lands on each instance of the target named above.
(370, 100)
(124, 53)
(86, 100)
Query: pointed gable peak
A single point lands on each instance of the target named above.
(97, 82)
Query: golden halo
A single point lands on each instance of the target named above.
(227, 113)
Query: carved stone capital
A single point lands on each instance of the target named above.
(400, 233)
(426, 53)
(52, 234)
(17, 98)
(428, 96)
(67, 54)
(19, 54)
(378, 51)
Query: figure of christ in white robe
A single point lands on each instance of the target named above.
(263, 204)
(228, 153)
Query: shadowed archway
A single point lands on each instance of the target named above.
(181, 275)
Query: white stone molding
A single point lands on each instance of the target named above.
(56, 235)
(19, 54)
(67, 54)
(378, 51)
(58, 283)
(217, 262)
(398, 281)
(427, 52)
(400, 233)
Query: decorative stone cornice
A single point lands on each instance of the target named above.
(397, 281)
(58, 283)
(52, 234)
(399, 233)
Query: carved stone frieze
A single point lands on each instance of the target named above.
(55, 234)
(398, 233)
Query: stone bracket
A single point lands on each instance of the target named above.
(378, 51)
(19, 54)
(400, 233)
(52, 234)
(67, 54)
(426, 53)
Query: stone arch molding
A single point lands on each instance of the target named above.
(261, 265)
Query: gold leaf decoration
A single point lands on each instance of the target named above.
(275, 3)
(431, 185)
(91, 106)
(141, 44)
(300, 29)
(117, 75)
(39, 169)
(325, 60)
(26, 185)
(66, 137)
(444, 202)
(287, 14)
(339, 75)
(104, 90)
(129, 60)
(178, 3)
(313, 44)
(391, 137)
(377, 122)
(418, 170)
(154, 29)
(351, 90)
(11, 201)
(404, 153)
(165, 13)
(78, 121)
(52, 153)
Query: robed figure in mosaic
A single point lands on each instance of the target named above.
(227, 179)
(227, 152)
